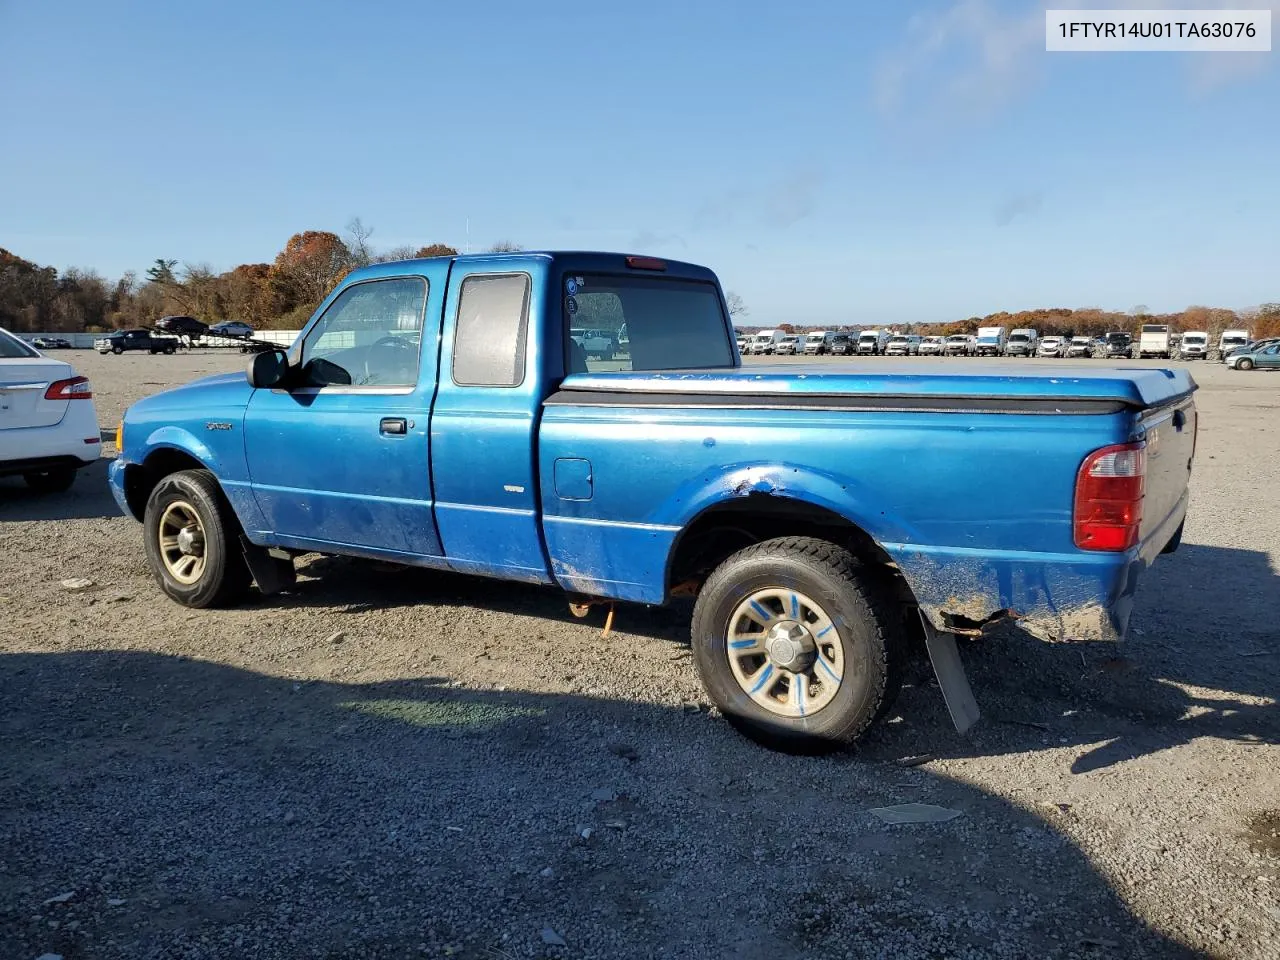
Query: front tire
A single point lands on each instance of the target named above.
(58, 480)
(191, 538)
(117, 350)
(796, 646)
(1244, 365)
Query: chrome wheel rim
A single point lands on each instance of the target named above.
(785, 652)
(182, 542)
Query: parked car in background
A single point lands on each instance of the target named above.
(1079, 347)
(932, 346)
(903, 345)
(48, 424)
(1155, 340)
(961, 345)
(843, 345)
(1263, 355)
(990, 342)
(1117, 344)
(51, 343)
(789, 345)
(597, 344)
(765, 341)
(743, 340)
(231, 328)
(1194, 345)
(818, 342)
(1022, 343)
(872, 342)
(183, 326)
(124, 340)
(1052, 347)
(1233, 340)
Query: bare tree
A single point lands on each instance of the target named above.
(505, 246)
(737, 306)
(358, 243)
(404, 252)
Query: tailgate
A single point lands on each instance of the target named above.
(1171, 438)
(23, 382)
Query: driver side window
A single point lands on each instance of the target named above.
(371, 335)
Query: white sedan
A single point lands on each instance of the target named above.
(48, 425)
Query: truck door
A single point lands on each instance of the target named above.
(485, 420)
(345, 459)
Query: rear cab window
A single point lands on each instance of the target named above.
(625, 322)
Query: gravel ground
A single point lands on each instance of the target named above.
(402, 764)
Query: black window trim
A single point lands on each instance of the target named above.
(522, 335)
(383, 388)
(568, 319)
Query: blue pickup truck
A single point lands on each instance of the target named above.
(437, 412)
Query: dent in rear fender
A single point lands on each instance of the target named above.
(842, 495)
(1054, 597)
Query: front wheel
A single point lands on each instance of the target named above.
(117, 350)
(795, 646)
(191, 538)
(1244, 365)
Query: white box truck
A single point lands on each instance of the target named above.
(991, 341)
(1154, 341)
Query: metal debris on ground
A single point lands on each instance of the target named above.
(77, 584)
(916, 761)
(549, 936)
(914, 813)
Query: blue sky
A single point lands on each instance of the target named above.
(833, 161)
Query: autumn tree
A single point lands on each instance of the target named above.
(311, 264)
(435, 250)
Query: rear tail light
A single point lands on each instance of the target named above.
(77, 388)
(1109, 491)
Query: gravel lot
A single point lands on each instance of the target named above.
(403, 764)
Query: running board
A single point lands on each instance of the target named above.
(956, 691)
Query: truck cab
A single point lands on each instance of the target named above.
(1194, 345)
(439, 413)
(990, 342)
(818, 342)
(766, 341)
(873, 342)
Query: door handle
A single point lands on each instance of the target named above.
(393, 426)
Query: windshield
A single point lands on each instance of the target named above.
(671, 324)
(1235, 339)
(1194, 338)
(11, 348)
(1154, 328)
(817, 337)
(869, 336)
(1019, 336)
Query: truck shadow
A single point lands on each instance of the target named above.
(1189, 669)
(181, 807)
(88, 499)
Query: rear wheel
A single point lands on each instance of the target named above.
(191, 538)
(795, 645)
(168, 350)
(51, 481)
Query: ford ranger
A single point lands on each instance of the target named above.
(437, 412)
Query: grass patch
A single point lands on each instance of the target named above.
(442, 713)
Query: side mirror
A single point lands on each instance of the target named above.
(267, 369)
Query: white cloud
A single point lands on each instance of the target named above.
(972, 57)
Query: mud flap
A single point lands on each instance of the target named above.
(270, 572)
(956, 691)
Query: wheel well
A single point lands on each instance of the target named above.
(726, 528)
(141, 478)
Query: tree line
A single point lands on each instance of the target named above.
(279, 295)
(283, 294)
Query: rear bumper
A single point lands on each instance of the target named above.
(10, 468)
(72, 442)
(1078, 596)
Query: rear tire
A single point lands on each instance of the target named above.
(852, 620)
(58, 480)
(191, 505)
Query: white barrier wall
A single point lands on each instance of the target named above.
(84, 341)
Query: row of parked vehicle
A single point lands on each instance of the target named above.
(169, 334)
(1155, 340)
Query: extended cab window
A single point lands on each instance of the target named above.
(369, 336)
(488, 346)
(644, 323)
